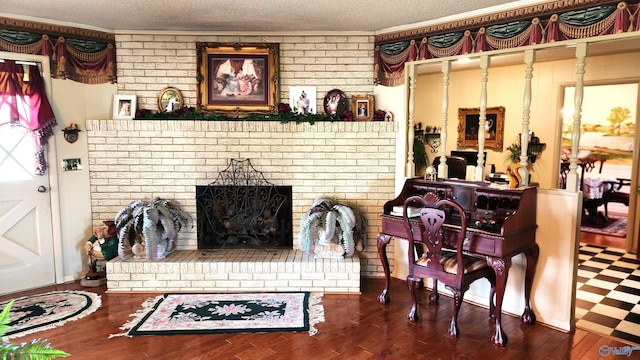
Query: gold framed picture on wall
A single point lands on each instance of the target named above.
(238, 78)
(468, 127)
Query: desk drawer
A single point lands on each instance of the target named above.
(480, 244)
(475, 242)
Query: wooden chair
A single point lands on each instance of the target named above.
(592, 161)
(590, 205)
(428, 258)
(614, 195)
(457, 166)
(586, 164)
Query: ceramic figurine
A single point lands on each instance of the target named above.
(513, 180)
(516, 172)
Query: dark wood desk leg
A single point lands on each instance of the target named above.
(501, 267)
(532, 253)
(383, 241)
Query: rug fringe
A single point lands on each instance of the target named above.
(147, 306)
(96, 302)
(316, 312)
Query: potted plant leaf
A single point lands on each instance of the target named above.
(150, 227)
(328, 223)
(35, 349)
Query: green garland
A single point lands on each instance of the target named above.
(190, 113)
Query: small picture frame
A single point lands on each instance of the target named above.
(362, 107)
(170, 99)
(124, 107)
(302, 99)
(335, 102)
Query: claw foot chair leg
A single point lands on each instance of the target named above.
(413, 312)
(457, 301)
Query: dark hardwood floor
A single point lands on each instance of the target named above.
(355, 327)
(603, 240)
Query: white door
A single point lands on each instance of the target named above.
(26, 235)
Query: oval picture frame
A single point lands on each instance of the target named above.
(335, 102)
(170, 99)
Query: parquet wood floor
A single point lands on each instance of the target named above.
(355, 327)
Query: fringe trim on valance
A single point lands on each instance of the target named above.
(34, 48)
(91, 78)
(89, 57)
(395, 59)
(578, 32)
(444, 52)
(498, 43)
(392, 79)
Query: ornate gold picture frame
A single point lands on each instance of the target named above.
(468, 120)
(238, 78)
(362, 107)
(170, 99)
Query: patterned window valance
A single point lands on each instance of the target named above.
(85, 56)
(543, 27)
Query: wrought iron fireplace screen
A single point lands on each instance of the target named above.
(241, 208)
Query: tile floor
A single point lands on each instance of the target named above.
(608, 292)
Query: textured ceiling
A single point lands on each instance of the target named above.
(248, 15)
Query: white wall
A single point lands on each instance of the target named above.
(74, 102)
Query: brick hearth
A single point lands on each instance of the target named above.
(235, 270)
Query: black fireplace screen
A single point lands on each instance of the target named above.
(242, 209)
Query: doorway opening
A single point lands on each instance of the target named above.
(605, 156)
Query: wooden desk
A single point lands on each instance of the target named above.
(514, 211)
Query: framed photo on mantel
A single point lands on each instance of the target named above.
(362, 107)
(124, 107)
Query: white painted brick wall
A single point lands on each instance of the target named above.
(139, 159)
(147, 63)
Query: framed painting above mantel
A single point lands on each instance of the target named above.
(468, 124)
(238, 78)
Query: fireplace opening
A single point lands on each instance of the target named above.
(241, 209)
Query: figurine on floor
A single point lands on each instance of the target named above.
(101, 246)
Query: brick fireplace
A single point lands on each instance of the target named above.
(139, 159)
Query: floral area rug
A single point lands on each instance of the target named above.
(39, 312)
(204, 313)
(616, 226)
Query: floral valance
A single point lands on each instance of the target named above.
(85, 56)
(603, 19)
